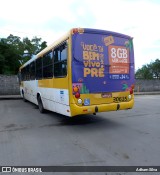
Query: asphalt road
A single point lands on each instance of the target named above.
(118, 138)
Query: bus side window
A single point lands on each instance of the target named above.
(27, 73)
(60, 61)
(39, 68)
(48, 65)
(32, 71)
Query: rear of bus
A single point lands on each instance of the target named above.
(102, 71)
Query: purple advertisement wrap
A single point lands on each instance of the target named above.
(102, 62)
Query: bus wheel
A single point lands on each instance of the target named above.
(23, 97)
(40, 105)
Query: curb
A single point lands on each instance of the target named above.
(147, 93)
(10, 97)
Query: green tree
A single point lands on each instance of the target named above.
(144, 72)
(32, 47)
(9, 59)
(155, 67)
(149, 71)
(14, 52)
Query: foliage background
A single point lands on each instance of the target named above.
(15, 51)
(150, 71)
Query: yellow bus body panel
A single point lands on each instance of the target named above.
(78, 110)
(59, 83)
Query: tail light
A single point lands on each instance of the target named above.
(131, 91)
(77, 95)
(76, 91)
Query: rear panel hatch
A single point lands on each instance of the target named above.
(102, 62)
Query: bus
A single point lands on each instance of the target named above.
(86, 71)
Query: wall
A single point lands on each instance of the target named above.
(9, 85)
(147, 85)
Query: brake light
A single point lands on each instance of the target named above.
(76, 91)
(131, 91)
(77, 95)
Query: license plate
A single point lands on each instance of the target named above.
(119, 99)
(106, 95)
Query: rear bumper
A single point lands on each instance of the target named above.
(80, 110)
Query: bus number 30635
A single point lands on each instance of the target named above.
(119, 99)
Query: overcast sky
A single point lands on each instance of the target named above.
(49, 19)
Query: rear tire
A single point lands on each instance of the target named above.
(40, 105)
